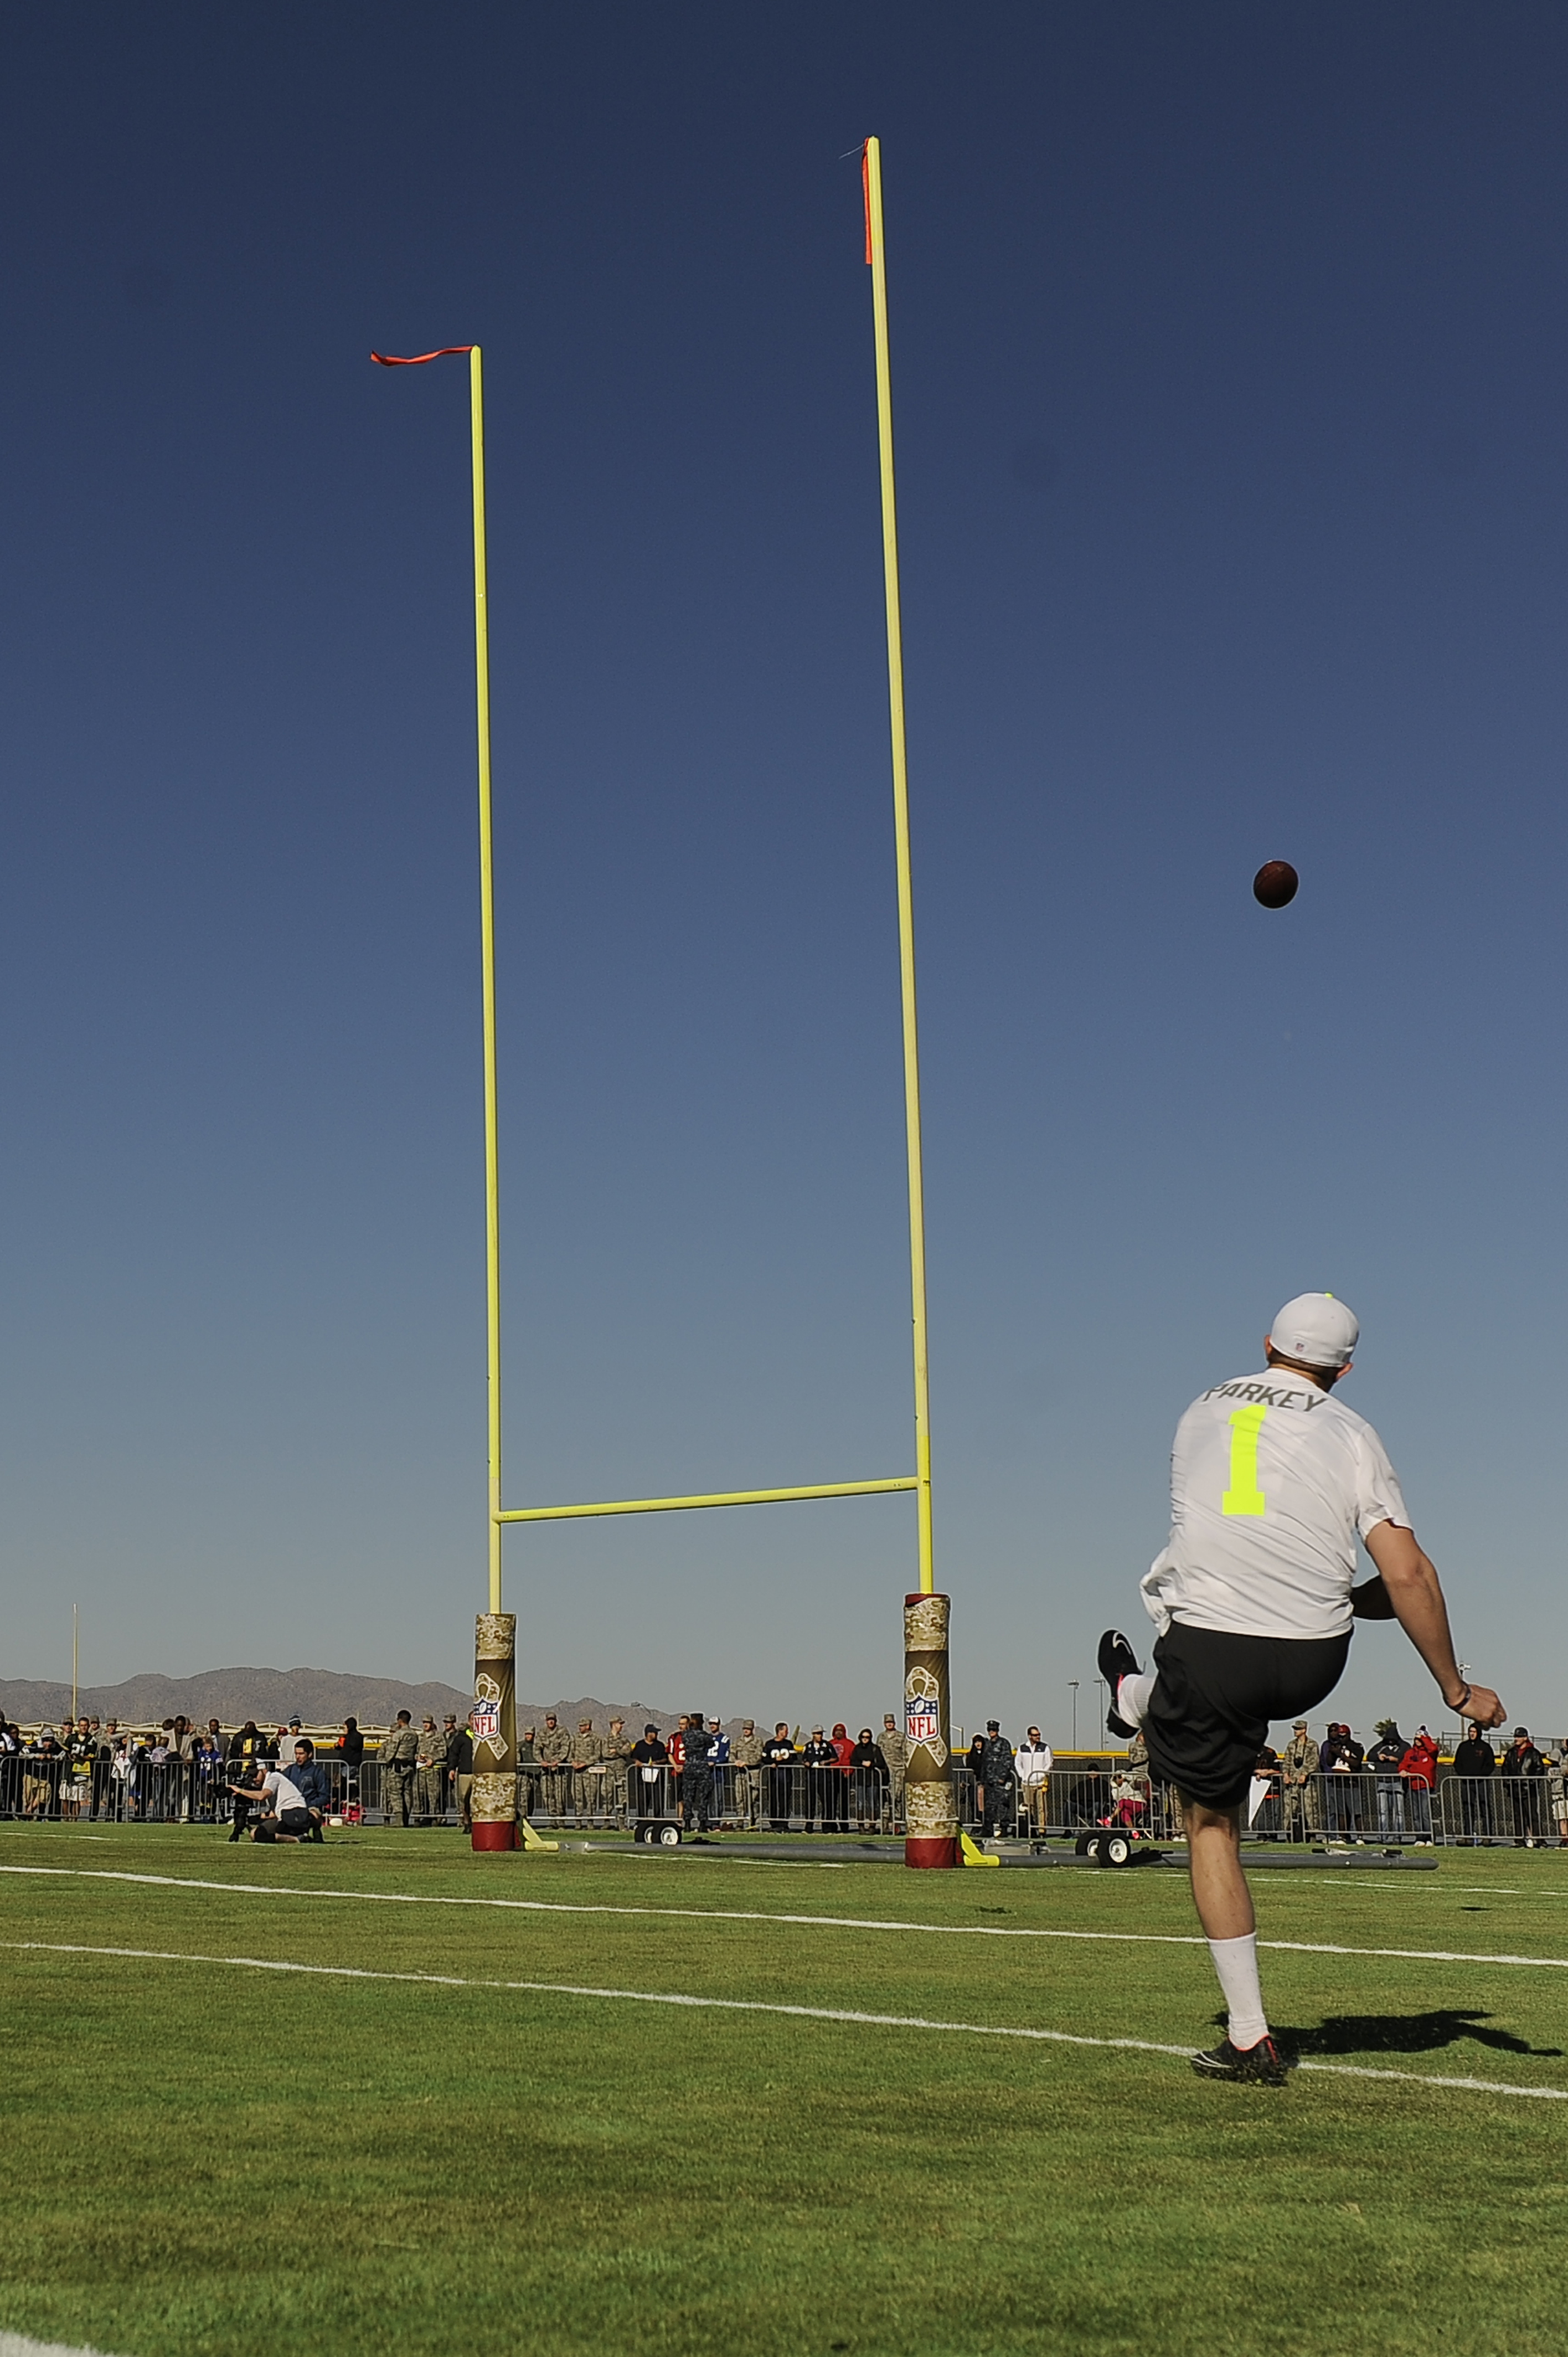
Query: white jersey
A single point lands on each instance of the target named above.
(1272, 1481)
(285, 1794)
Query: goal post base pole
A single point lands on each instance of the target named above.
(930, 1817)
(492, 1798)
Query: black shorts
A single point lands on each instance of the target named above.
(292, 1821)
(1216, 1698)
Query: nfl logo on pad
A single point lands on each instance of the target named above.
(921, 1724)
(487, 1724)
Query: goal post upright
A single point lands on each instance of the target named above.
(930, 1816)
(494, 1790)
(488, 969)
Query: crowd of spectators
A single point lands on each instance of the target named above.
(1323, 1788)
(176, 1773)
(697, 1775)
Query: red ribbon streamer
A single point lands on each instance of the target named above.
(866, 185)
(417, 359)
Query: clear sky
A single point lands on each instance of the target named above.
(1231, 368)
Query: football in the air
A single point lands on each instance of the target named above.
(1273, 886)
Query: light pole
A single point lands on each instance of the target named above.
(1073, 1684)
(1100, 1684)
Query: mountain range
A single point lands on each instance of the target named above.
(272, 1697)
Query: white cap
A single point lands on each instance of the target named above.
(1317, 1330)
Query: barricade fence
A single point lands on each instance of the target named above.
(797, 1797)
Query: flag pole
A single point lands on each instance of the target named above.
(871, 168)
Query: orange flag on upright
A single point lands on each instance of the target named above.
(417, 359)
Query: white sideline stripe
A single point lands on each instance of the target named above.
(13, 2344)
(759, 2004)
(756, 1915)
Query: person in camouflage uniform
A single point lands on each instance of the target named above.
(587, 1778)
(1298, 1774)
(894, 1745)
(1138, 1770)
(745, 1752)
(399, 1752)
(615, 1760)
(527, 1773)
(554, 1752)
(430, 1775)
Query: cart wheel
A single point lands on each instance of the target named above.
(669, 1837)
(1115, 1849)
(1087, 1843)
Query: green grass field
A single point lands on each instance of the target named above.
(206, 2156)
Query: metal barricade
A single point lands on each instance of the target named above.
(1349, 1808)
(1365, 1808)
(1504, 1809)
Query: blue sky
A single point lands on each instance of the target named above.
(1230, 370)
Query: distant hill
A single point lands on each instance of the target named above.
(272, 1697)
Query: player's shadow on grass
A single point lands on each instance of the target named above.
(1403, 2033)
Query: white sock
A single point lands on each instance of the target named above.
(1133, 1697)
(1235, 1962)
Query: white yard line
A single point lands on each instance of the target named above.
(13, 2344)
(755, 1915)
(756, 2005)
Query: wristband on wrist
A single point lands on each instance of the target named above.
(1465, 1697)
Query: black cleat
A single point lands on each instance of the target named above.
(1262, 2064)
(1116, 1661)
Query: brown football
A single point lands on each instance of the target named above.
(1274, 885)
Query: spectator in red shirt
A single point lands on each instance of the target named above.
(1419, 1769)
(843, 1751)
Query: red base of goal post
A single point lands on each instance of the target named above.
(501, 1837)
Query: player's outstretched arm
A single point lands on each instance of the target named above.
(1411, 1579)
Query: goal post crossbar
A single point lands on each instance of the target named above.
(717, 1498)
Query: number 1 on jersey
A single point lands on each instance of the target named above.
(1243, 1496)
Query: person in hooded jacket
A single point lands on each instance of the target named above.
(350, 1750)
(839, 1793)
(868, 1782)
(1383, 1759)
(1419, 1769)
(1340, 1759)
(1474, 1762)
(1521, 1761)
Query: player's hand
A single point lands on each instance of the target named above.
(1483, 1708)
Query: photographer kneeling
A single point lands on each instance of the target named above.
(297, 1799)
